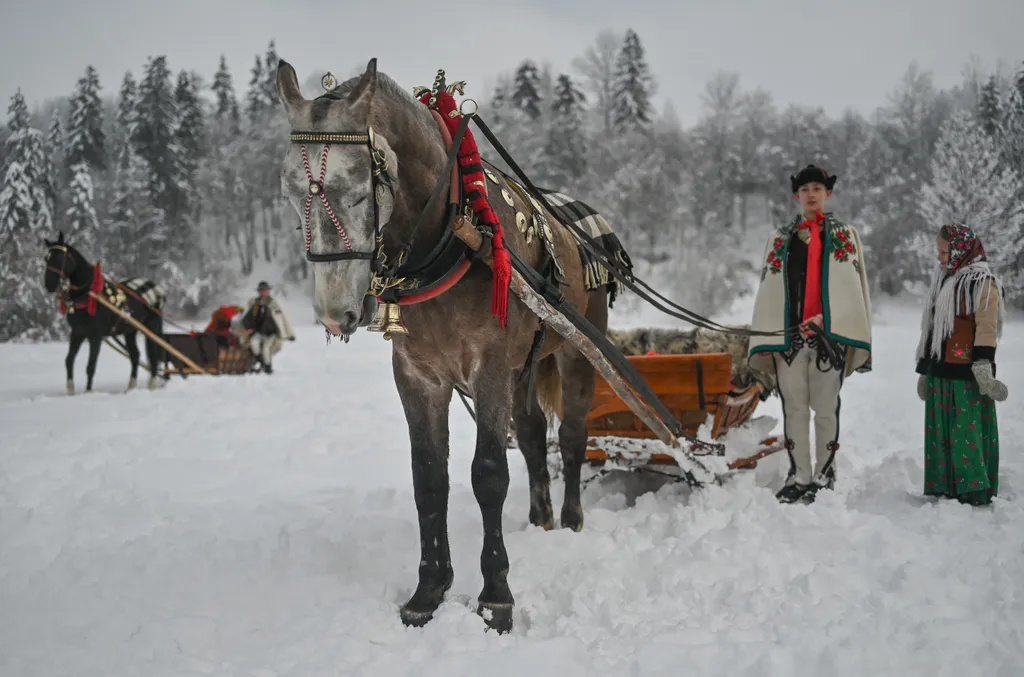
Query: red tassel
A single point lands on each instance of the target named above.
(469, 158)
(96, 287)
(62, 306)
(502, 276)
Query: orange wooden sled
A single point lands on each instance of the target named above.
(692, 387)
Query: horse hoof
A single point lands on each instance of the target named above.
(415, 618)
(152, 383)
(497, 616)
(131, 384)
(572, 519)
(71, 388)
(420, 608)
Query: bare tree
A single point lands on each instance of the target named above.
(596, 69)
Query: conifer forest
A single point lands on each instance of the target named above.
(174, 175)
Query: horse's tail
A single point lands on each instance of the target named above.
(548, 386)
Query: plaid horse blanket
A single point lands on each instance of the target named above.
(567, 209)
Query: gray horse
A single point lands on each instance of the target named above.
(371, 188)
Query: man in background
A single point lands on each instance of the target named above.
(267, 326)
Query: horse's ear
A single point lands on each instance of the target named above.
(47, 242)
(362, 93)
(288, 87)
(60, 238)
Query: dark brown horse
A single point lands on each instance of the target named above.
(377, 182)
(90, 321)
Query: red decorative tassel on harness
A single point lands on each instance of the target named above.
(474, 185)
(96, 287)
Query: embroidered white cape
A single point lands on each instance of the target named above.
(846, 307)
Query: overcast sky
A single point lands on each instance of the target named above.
(834, 53)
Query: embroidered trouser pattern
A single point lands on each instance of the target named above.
(805, 384)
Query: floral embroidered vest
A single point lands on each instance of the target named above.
(959, 348)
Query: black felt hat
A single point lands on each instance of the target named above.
(812, 174)
(263, 285)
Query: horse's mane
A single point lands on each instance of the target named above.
(392, 92)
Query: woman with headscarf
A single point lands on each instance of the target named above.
(960, 328)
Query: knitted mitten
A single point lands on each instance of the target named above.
(987, 383)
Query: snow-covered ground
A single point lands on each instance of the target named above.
(265, 526)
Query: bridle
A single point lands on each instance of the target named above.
(61, 273)
(386, 276)
(381, 181)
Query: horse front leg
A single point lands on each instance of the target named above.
(69, 362)
(94, 353)
(426, 403)
(492, 393)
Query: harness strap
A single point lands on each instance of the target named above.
(530, 367)
(452, 170)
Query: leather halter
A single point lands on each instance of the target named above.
(397, 281)
(381, 181)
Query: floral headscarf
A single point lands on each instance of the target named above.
(965, 247)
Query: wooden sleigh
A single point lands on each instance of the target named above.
(698, 391)
(186, 353)
(204, 351)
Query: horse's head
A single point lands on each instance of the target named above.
(340, 174)
(60, 262)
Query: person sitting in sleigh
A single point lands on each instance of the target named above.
(220, 325)
(813, 273)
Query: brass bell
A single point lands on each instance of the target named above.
(388, 320)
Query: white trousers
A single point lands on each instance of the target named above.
(264, 346)
(806, 383)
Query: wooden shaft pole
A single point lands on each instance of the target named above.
(145, 330)
(466, 232)
(119, 347)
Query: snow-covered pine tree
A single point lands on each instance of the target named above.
(1018, 82)
(566, 147)
(226, 103)
(154, 141)
(54, 150)
(125, 113)
(634, 86)
(255, 99)
(525, 94)
(80, 223)
(989, 112)
(86, 140)
(25, 219)
(270, 61)
(190, 130)
(55, 136)
(1011, 143)
(971, 185)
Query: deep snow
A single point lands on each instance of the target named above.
(265, 526)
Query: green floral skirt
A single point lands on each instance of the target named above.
(961, 442)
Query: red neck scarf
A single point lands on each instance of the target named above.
(812, 295)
